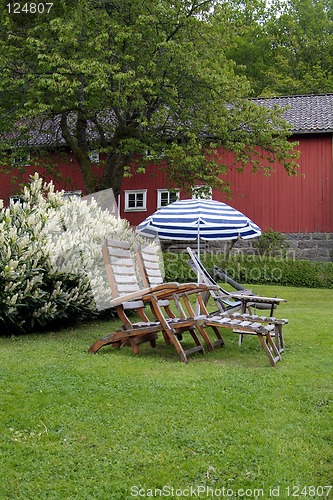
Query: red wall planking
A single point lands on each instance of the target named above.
(69, 176)
(302, 203)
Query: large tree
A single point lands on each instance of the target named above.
(131, 76)
(285, 47)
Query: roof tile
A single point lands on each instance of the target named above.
(305, 113)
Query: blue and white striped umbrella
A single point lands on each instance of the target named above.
(196, 218)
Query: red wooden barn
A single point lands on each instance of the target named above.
(289, 204)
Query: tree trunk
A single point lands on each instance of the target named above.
(89, 179)
(116, 161)
(80, 149)
(114, 172)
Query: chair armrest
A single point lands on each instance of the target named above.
(255, 298)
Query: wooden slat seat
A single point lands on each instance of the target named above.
(262, 331)
(276, 333)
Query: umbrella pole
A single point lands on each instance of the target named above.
(198, 248)
(197, 307)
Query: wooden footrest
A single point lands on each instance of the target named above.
(197, 348)
(256, 318)
(246, 326)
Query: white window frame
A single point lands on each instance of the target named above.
(202, 196)
(73, 194)
(149, 155)
(14, 198)
(175, 191)
(94, 156)
(23, 160)
(128, 192)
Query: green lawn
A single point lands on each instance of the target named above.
(117, 425)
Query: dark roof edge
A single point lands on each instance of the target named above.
(290, 96)
(311, 131)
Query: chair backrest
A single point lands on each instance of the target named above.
(222, 275)
(219, 295)
(149, 265)
(120, 267)
(198, 267)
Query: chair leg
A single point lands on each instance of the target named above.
(269, 348)
(135, 341)
(279, 339)
(178, 347)
(220, 339)
(117, 345)
(166, 338)
(134, 346)
(183, 353)
(209, 343)
(116, 342)
(194, 335)
(171, 332)
(273, 348)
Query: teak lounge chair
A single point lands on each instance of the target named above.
(242, 300)
(262, 326)
(126, 294)
(150, 274)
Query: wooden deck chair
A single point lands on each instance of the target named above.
(248, 324)
(126, 294)
(265, 328)
(242, 300)
(151, 275)
(242, 303)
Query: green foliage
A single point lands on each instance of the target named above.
(253, 269)
(284, 47)
(32, 293)
(139, 75)
(289, 272)
(271, 244)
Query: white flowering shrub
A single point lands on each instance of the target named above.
(76, 231)
(50, 258)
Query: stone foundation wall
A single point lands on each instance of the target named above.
(313, 246)
(309, 246)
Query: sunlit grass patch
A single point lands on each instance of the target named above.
(75, 425)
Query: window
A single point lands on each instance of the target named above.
(135, 200)
(73, 194)
(148, 154)
(165, 197)
(94, 156)
(15, 198)
(202, 193)
(21, 159)
(151, 154)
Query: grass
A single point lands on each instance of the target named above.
(118, 425)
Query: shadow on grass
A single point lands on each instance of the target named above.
(249, 355)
